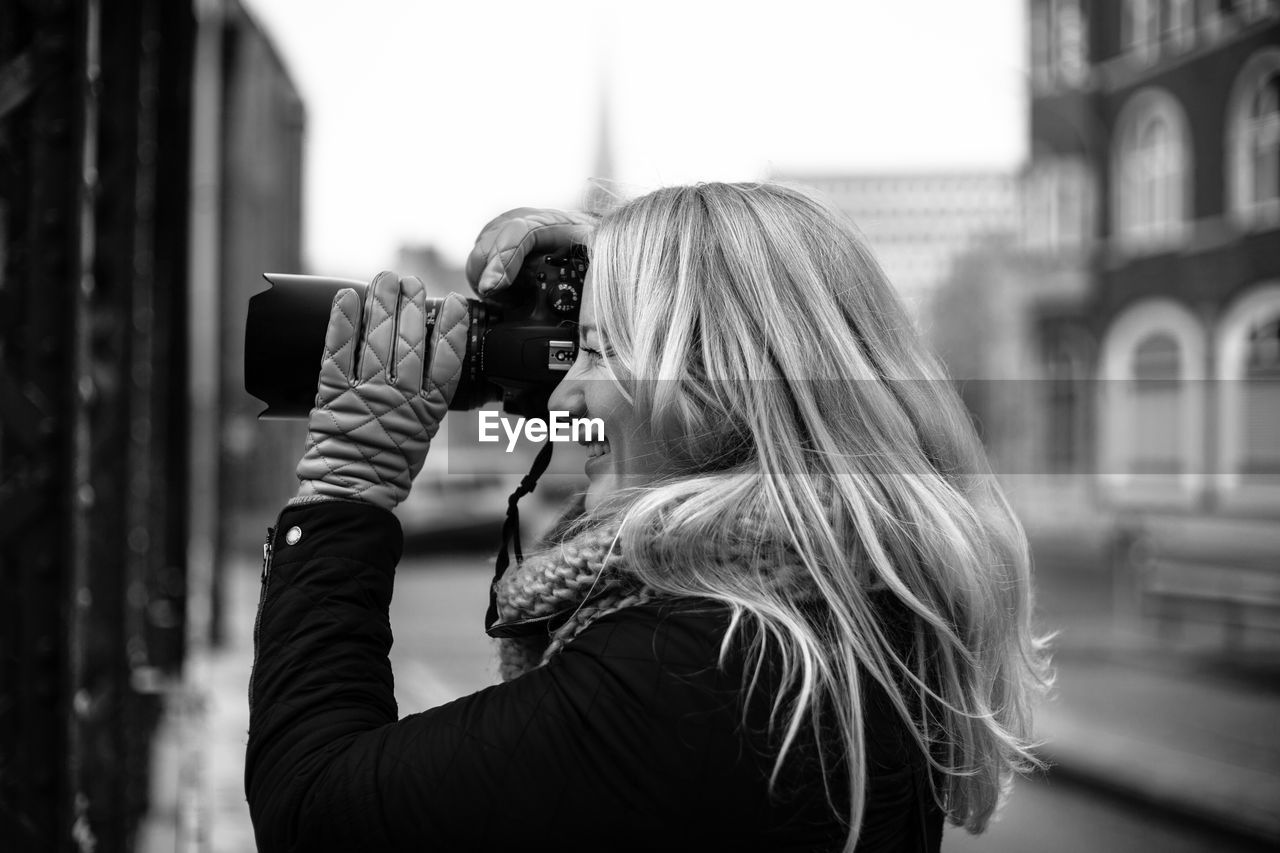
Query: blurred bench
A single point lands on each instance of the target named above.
(1203, 569)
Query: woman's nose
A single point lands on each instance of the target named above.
(568, 396)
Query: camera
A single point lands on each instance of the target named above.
(520, 344)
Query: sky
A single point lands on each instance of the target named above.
(426, 118)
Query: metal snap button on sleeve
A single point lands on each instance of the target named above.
(293, 535)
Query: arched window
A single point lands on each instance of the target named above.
(1149, 164)
(1249, 399)
(1156, 369)
(1152, 169)
(1151, 407)
(1261, 435)
(1253, 141)
(1065, 359)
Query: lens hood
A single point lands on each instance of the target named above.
(284, 340)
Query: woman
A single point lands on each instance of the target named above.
(792, 610)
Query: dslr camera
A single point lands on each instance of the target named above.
(520, 344)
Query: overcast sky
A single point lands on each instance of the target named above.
(425, 119)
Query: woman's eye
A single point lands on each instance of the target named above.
(593, 354)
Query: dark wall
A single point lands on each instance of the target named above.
(1205, 280)
(94, 142)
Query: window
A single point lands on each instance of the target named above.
(1253, 142)
(1156, 395)
(1152, 172)
(1149, 165)
(1249, 400)
(1071, 52)
(1140, 28)
(1151, 404)
(1221, 18)
(1210, 20)
(1149, 172)
(1179, 24)
(1064, 371)
(1059, 44)
(1251, 11)
(1260, 461)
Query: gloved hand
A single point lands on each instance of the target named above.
(504, 243)
(375, 412)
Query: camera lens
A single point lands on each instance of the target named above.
(519, 344)
(284, 342)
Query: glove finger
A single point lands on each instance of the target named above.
(507, 240)
(378, 331)
(411, 337)
(448, 352)
(518, 240)
(487, 243)
(340, 338)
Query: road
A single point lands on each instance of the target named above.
(441, 653)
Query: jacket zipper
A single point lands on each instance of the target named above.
(262, 599)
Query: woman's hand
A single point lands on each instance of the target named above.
(504, 243)
(376, 412)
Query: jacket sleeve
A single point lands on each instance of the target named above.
(605, 747)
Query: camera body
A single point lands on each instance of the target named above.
(519, 345)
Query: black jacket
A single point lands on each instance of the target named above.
(631, 738)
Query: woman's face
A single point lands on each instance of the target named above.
(628, 456)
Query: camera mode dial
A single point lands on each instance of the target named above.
(565, 299)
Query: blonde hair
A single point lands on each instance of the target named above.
(782, 376)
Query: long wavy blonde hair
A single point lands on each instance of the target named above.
(785, 381)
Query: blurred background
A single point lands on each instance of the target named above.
(1078, 200)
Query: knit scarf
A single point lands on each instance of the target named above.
(562, 578)
(562, 581)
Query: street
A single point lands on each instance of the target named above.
(1051, 816)
(441, 652)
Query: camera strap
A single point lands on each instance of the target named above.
(511, 535)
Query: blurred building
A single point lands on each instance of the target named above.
(260, 151)
(1151, 253)
(248, 220)
(1153, 195)
(918, 223)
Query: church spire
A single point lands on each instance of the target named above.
(599, 195)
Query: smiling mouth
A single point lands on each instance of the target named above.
(596, 449)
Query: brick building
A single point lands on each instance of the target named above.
(1151, 248)
(1153, 194)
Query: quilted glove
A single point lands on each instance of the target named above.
(503, 243)
(376, 412)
